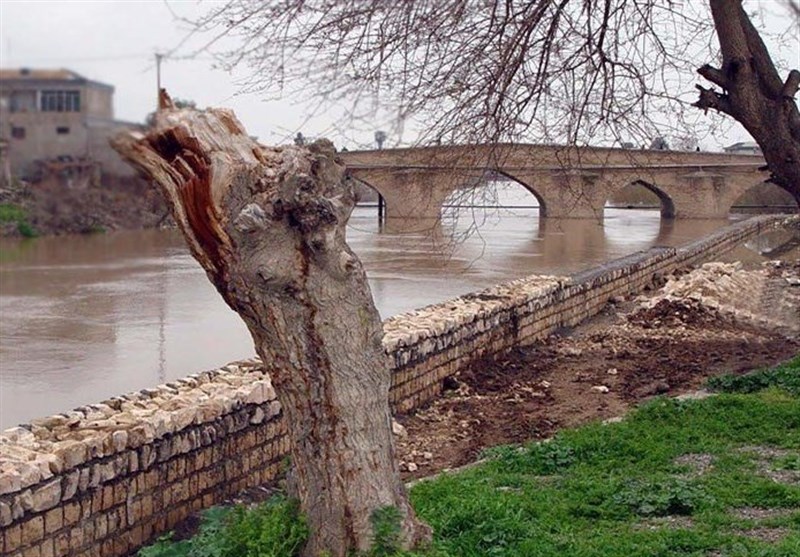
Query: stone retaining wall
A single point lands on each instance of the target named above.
(104, 479)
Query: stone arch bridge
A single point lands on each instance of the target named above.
(568, 182)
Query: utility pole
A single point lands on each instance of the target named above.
(159, 57)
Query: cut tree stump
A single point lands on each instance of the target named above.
(268, 226)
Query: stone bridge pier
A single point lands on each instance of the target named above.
(414, 197)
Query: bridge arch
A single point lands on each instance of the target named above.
(490, 197)
(763, 197)
(641, 193)
(527, 185)
(365, 192)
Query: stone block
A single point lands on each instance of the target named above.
(107, 547)
(53, 520)
(72, 513)
(6, 516)
(100, 526)
(47, 496)
(24, 500)
(113, 520)
(76, 538)
(70, 453)
(13, 538)
(61, 543)
(32, 531)
(84, 478)
(123, 491)
(121, 545)
(146, 507)
(33, 551)
(10, 482)
(107, 499)
(86, 509)
(87, 531)
(69, 484)
(49, 548)
(136, 536)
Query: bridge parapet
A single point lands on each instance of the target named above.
(525, 156)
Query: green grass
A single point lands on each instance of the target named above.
(11, 213)
(786, 377)
(15, 214)
(622, 490)
(271, 529)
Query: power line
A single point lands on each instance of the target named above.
(141, 56)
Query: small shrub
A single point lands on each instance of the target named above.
(785, 377)
(13, 213)
(273, 529)
(26, 230)
(661, 498)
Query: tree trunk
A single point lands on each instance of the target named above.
(754, 94)
(268, 226)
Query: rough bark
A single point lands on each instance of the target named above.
(754, 94)
(268, 226)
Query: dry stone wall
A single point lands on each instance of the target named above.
(104, 479)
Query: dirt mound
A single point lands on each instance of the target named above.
(671, 312)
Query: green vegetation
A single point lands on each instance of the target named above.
(14, 213)
(386, 526)
(11, 213)
(271, 529)
(713, 477)
(786, 377)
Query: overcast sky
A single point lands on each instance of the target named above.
(115, 41)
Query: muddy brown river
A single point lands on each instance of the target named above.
(89, 317)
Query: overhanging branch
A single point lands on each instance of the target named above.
(713, 99)
(714, 75)
(791, 85)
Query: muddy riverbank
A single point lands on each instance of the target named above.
(56, 207)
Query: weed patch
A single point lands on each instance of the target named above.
(785, 377)
(271, 529)
(14, 214)
(11, 213)
(667, 497)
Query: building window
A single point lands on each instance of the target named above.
(22, 101)
(17, 132)
(60, 101)
(62, 130)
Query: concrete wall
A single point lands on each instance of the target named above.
(105, 478)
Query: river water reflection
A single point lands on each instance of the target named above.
(86, 318)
